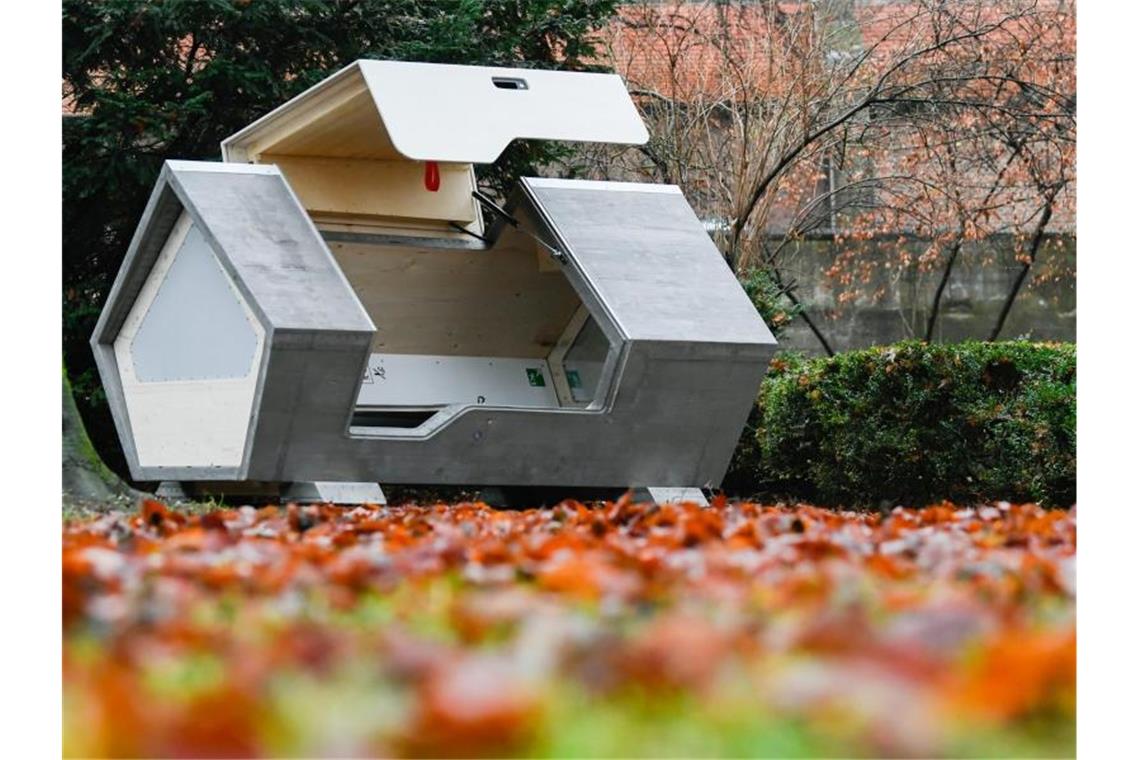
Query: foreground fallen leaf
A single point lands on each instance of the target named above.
(613, 629)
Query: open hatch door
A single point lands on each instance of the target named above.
(393, 144)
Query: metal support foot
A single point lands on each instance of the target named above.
(171, 491)
(672, 495)
(330, 492)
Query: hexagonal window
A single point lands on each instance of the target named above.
(196, 327)
(187, 355)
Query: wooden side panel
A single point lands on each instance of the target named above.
(459, 303)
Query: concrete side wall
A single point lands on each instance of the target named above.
(894, 304)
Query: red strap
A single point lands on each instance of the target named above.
(431, 176)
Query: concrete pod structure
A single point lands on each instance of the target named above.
(336, 303)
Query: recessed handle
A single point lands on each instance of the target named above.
(509, 83)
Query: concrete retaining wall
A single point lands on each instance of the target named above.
(894, 303)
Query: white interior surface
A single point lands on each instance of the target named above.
(419, 381)
(442, 112)
(188, 422)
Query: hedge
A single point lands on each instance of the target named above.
(914, 424)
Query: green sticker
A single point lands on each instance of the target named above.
(572, 378)
(535, 378)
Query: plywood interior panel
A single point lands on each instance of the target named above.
(378, 188)
(493, 302)
(347, 126)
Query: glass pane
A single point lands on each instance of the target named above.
(584, 360)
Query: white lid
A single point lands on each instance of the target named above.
(441, 112)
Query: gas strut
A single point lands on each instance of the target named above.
(490, 204)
